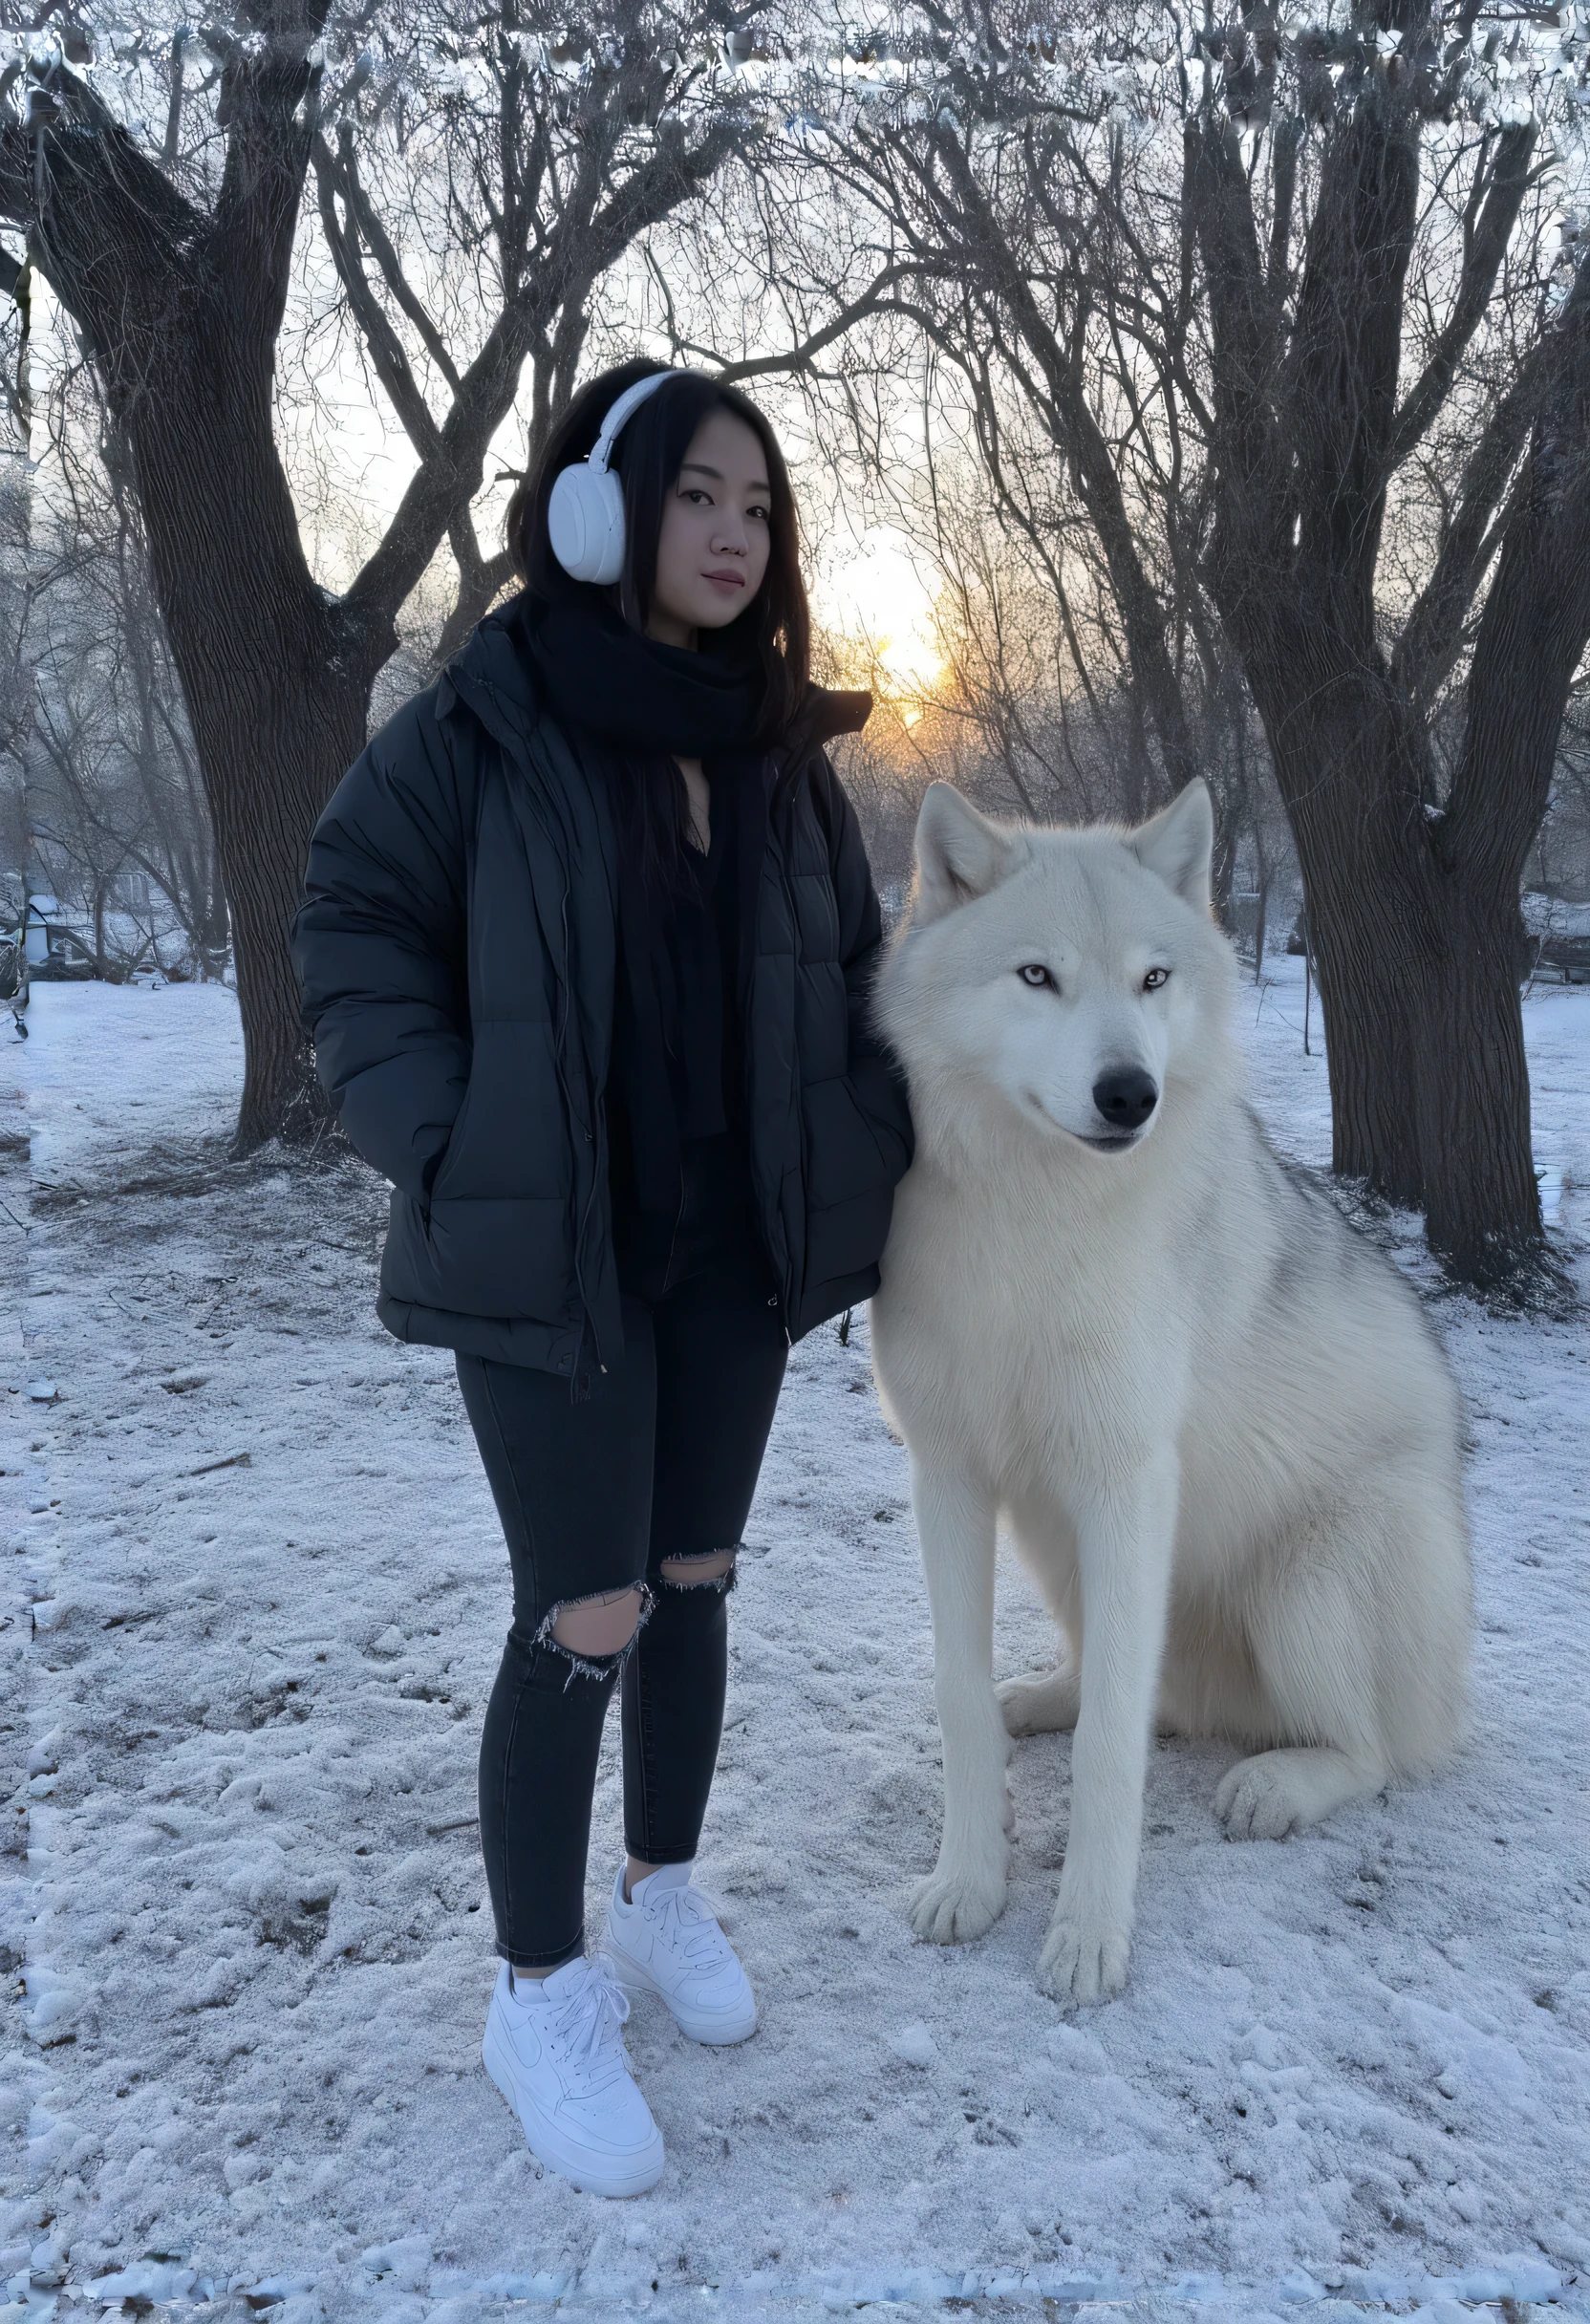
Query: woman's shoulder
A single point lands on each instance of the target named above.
(411, 737)
(492, 681)
(825, 713)
(423, 764)
(802, 771)
(408, 767)
(452, 728)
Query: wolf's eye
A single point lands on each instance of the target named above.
(1155, 977)
(1035, 974)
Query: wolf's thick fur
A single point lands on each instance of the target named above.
(1212, 1417)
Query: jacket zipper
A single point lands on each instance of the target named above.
(782, 786)
(674, 1238)
(587, 1321)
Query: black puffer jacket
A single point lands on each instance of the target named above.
(457, 946)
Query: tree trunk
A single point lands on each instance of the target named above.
(1357, 911)
(215, 927)
(1229, 802)
(180, 307)
(1414, 910)
(1429, 1090)
(271, 758)
(1482, 1201)
(179, 312)
(276, 684)
(1418, 982)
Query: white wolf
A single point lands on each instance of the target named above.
(1212, 1417)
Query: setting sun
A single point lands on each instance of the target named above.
(877, 604)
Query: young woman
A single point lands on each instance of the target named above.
(586, 945)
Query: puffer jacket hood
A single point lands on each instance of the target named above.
(457, 950)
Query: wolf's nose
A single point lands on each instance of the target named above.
(1126, 1097)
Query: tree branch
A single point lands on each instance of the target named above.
(92, 165)
(1432, 636)
(479, 579)
(587, 240)
(1531, 634)
(1078, 435)
(1254, 532)
(174, 110)
(1482, 258)
(1285, 138)
(1346, 342)
(263, 86)
(386, 350)
(868, 302)
(362, 212)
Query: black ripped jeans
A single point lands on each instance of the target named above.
(659, 1464)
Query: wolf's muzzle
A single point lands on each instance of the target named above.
(1126, 1097)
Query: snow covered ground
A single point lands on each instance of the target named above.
(255, 1597)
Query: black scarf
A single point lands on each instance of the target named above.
(651, 700)
(627, 705)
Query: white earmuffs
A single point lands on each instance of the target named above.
(585, 516)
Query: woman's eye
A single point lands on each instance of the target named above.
(1035, 975)
(1155, 977)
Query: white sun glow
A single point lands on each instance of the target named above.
(877, 601)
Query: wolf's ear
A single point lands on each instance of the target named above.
(959, 854)
(1178, 845)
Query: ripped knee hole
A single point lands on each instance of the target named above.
(600, 1625)
(705, 1568)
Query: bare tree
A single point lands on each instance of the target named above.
(1289, 308)
(172, 253)
(175, 848)
(1413, 871)
(113, 798)
(1079, 640)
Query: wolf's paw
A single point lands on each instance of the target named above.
(1283, 1791)
(956, 1902)
(1043, 1703)
(1084, 1957)
(1254, 1804)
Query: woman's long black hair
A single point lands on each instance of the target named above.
(774, 631)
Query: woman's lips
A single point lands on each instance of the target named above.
(728, 577)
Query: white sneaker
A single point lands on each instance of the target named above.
(553, 2048)
(666, 1940)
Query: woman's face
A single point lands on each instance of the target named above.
(713, 550)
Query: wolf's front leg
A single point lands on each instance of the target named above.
(954, 1522)
(1123, 1547)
